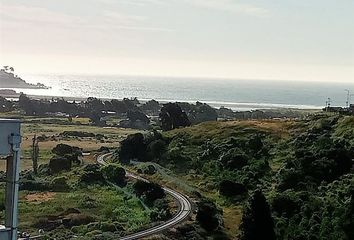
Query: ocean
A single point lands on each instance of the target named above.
(237, 94)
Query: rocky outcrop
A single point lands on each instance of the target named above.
(9, 80)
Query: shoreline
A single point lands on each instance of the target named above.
(215, 104)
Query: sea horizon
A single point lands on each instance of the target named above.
(237, 94)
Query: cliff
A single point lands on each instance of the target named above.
(9, 80)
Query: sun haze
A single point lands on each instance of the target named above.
(253, 39)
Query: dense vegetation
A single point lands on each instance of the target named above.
(294, 179)
(133, 113)
(69, 199)
(280, 179)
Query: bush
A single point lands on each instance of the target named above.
(147, 169)
(59, 184)
(230, 189)
(233, 159)
(88, 202)
(155, 149)
(257, 222)
(63, 149)
(208, 215)
(58, 164)
(92, 174)
(76, 219)
(114, 173)
(161, 210)
(285, 204)
(74, 158)
(149, 191)
(77, 134)
(33, 185)
(132, 148)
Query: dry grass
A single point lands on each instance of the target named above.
(52, 131)
(39, 197)
(232, 220)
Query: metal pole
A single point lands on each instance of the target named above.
(12, 186)
(348, 96)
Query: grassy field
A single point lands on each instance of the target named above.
(111, 205)
(51, 128)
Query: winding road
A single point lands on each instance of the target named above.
(184, 208)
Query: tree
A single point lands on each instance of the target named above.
(64, 149)
(208, 216)
(115, 174)
(5, 105)
(200, 112)
(94, 105)
(25, 104)
(133, 147)
(96, 118)
(233, 159)
(257, 222)
(172, 117)
(149, 191)
(151, 106)
(229, 188)
(58, 164)
(35, 153)
(137, 116)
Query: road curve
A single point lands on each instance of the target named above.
(184, 208)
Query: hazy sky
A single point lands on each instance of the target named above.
(259, 39)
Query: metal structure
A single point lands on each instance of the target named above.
(10, 140)
(347, 103)
(328, 103)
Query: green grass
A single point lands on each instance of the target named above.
(111, 205)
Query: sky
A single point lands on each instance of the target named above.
(304, 40)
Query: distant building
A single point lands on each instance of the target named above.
(333, 109)
(351, 108)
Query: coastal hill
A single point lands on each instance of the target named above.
(9, 80)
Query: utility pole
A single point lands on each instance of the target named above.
(329, 101)
(348, 98)
(10, 140)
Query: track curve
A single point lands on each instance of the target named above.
(184, 208)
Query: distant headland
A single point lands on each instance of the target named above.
(9, 80)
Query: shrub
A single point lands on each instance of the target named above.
(92, 174)
(229, 188)
(76, 219)
(33, 185)
(149, 191)
(161, 210)
(257, 222)
(87, 202)
(208, 215)
(132, 148)
(63, 149)
(147, 169)
(59, 184)
(233, 159)
(114, 173)
(155, 149)
(58, 164)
